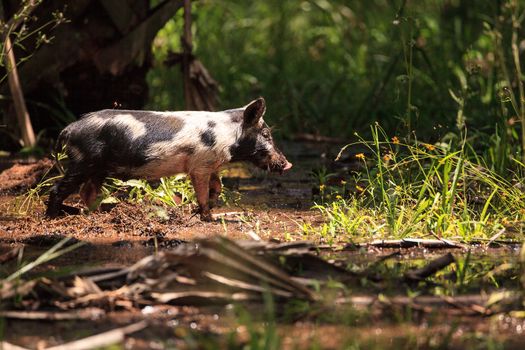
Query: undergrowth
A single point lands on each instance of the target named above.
(170, 191)
(417, 189)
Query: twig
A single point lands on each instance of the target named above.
(447, 241)
(496, 236)
(228, 213)
(82, 314)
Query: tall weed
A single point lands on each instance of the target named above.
(419, 189)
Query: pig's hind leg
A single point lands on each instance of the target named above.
(201, 184)
(215, 189)
(71, 181)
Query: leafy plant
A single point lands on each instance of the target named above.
(172, 191)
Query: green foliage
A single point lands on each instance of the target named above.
(416, 189)
(171, 191)
(336, 67)
(24, 204)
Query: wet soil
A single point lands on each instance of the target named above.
(271, 208)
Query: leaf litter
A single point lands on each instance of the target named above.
(219, 272)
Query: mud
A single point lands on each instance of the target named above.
(19, 177)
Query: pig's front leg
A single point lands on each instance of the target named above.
(215, 188)
(201, 184)
(89, 192)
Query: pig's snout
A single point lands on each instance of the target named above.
(279, 164)
(286, 167)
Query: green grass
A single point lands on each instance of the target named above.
(415, 189)
(24, 204)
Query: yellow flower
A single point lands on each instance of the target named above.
(429, 146)
(343, 182)
(387, 157)
(321, 187)
(359, 188)
(360, 156)
(338, 197)
(395, 140)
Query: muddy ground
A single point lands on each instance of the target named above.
(271, 208)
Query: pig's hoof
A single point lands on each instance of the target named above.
(51, 213)
(206, 216)
(63, 210)
(66, 209)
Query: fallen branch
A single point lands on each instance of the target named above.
(430, 269)
(83, 314)
(469, 304)
(104, 339)
(413, 242)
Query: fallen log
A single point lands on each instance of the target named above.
(431, 268)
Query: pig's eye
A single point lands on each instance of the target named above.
(266, 133)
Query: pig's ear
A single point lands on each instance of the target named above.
(254, 111)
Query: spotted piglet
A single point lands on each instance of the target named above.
(148, 145)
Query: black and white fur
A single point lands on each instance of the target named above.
(149, 145)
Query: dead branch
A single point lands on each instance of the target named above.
(470, 304)
(82, 314)
(414, 242)
(104, 339)
(24, 122)
(430, 269)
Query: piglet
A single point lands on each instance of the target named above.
(149, 145)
